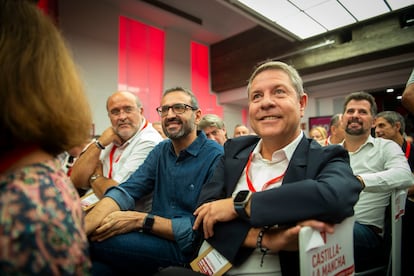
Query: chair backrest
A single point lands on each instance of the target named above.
(327, 254)
(393, 230)
(398, 198)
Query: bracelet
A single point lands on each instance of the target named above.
(259, 243)
(99, 145)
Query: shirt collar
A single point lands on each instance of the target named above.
(288, 150)
(196, 145)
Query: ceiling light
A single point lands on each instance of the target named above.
(307, 18)
(390, 90)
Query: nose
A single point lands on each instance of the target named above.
(268, 100)
(122, 114)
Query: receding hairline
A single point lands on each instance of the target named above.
(127, 94)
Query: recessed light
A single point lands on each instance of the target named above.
(390, 90)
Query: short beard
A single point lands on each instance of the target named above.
(186, 129)
(355, 132)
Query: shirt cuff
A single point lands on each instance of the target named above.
(183, 233)
(121, 197)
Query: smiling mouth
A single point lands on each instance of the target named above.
(268, 118)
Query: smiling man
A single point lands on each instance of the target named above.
(279, 177)
(381, 166)
(121, 148)
(126, 242)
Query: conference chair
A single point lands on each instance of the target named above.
(392, 235)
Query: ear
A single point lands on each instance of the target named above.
(398, 126)
(303, 102)
(198, 116)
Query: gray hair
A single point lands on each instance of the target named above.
(392, 118)
(211, 120)
(294, 77)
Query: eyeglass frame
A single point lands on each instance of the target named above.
(177, 105)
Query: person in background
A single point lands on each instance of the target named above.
(119, 150)
(319, 134)
(408, 94)
(336, 130)
(240, 130)
(391, 125)
(158, 127)
(69, 157)
(128, 242)
(44, 112)
(381, 167)
(278, 178)
(213, 127)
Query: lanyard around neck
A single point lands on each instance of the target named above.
(407, 150)
(112, 153)
(267, 184)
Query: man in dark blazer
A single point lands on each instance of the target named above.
(306, 181)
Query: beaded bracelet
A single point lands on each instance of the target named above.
(259, 243)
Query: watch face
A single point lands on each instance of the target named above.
(241, 196)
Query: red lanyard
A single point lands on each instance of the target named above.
(267, 184)
(111, 159)
(111, 154)
(407, 150)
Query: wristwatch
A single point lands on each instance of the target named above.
(148, 223)
(94, 177)
(240, 201)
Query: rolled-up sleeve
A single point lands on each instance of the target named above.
(121, 197)
(183, 233)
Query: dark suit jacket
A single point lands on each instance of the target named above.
(318, 184)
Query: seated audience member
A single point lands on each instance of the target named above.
(275, 181)
(44, 112)
(240, 130)
(126, 242)
(408, 94)
(213, 127)
(158, 127)
(119, 150)
(381, 166)
(319, 134)
(69, 157)
(336, 130)
(391, 125)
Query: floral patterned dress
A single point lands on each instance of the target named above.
(41, 223)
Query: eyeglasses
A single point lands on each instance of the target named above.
(176, 108)
(126, 109)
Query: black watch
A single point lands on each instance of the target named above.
(240, 201)
(148, 223)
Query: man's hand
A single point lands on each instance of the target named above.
(110, 136)
(118, 222)
(288, 239)
(95, 217)
(210, 213)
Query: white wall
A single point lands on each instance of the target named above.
(92, 33)
(91, 29)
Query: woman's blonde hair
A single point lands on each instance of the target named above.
(43, 100)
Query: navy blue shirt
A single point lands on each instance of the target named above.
(176, 182)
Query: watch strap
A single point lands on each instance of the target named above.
(148, 223)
